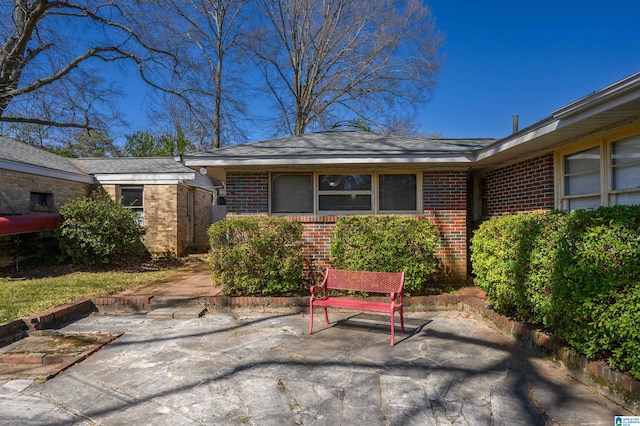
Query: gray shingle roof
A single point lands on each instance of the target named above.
(130, 165)
(348, 144)
(20, 152)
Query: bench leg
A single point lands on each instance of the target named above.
(310, 317)
(402, 321)
(393, 327)
(326, 316)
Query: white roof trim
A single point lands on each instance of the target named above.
(512, 142)
(144, 178)
(615, 91)
(239, 161)
(46, 172)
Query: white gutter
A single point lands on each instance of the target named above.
(286, 161)
(46, 172)
(610, 97)
(513, 141)
(614, 91)
(144, 178)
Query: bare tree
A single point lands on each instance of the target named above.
(212, 83)
(324, 61)
(47, 52)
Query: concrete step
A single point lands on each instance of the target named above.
(177, 312)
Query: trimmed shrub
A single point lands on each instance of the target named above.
(96, 231)
(598, 269)
(387, 244)
(256, 255)
(575, 274)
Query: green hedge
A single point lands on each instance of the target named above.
(256, 255)
(575, 274)
(97, 231)
(387, 244)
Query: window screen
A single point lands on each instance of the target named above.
(291, 193)
(397, 192)
(625, 164)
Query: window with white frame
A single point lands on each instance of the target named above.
(582, 179)
(324, 193)
(345, 192)
(606, 173)
(625, 171)
(132, 198)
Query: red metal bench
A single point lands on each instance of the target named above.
(390, 283)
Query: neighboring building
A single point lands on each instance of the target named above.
(172, 201)
(584, 155)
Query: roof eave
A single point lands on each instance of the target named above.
(586, 116)
(616, 92)
(324, 161)
(144, 178)
(47, 172)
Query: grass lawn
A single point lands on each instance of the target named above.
(22, 297)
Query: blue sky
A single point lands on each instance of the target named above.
(527, 58)
(511, 57)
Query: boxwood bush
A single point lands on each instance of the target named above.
(256, 255)
(575, 274)
(97, 231)
(387, 244)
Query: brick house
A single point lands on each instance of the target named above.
(172, 201)
(585, 155)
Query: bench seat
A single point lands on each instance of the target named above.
(388, 283)
(356, 305)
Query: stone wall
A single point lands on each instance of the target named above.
(166, 218)
(17, 187)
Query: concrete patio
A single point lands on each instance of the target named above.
(263, 369)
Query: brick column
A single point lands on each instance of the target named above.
(445, 205)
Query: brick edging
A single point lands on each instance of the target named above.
(59, 315)
(617, 386)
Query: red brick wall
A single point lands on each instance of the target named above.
(521, 187)
(445, 205)
(247, 192)
(317, 238)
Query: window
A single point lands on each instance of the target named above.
(41, 201)
(132, 198)
(480, 197)
(292, 193)
(397, 192)
(605, 174)
(625, 171)
(349, 192)
(582, 180)
(323, 193)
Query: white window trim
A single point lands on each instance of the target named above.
(606, 170)
(141, 219)
(373, 192)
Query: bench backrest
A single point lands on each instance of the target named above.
(372, 282)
